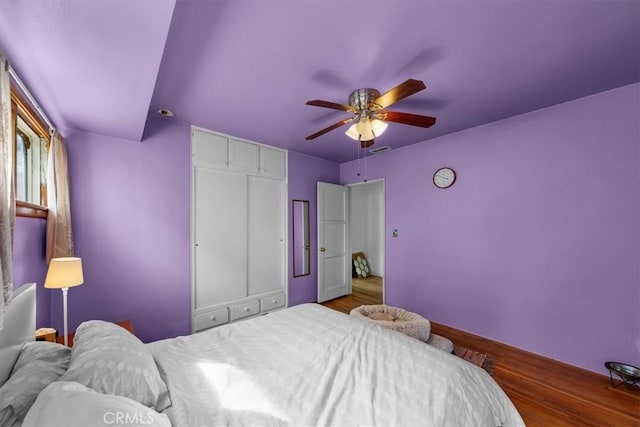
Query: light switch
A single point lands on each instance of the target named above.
(395, 233)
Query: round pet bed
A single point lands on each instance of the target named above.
(397, 319)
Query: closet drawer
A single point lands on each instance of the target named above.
(249, 308)
(210, 319)
(275, 301)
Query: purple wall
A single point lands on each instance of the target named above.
(304, 172)
(30, 265)
(130, 204)
(531, 246)
(537, 243)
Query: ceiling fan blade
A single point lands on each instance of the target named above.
(399, 92)
(330, 128)
(333, 105)
(407, 119)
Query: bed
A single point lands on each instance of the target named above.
(301, 366)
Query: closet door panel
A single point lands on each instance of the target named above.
(220, 237)
(244, 157)
(209, 150)
(266, 228)
(273, 163)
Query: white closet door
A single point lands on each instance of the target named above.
(220, 237)
(266, 224)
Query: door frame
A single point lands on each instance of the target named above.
(382, 230)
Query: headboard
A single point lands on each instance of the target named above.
(19, 326)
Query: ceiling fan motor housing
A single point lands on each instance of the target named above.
(362, 100)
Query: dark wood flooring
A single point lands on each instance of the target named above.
(367, 291)
(546, 392)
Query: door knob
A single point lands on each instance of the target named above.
(322, 249)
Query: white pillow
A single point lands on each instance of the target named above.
(39, 364)
(70, 404)
(110, 360)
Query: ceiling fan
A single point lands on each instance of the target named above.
(368, 107)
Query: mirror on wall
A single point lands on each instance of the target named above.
(300, 238)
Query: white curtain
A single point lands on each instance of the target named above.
(59, 234)
(7, 196)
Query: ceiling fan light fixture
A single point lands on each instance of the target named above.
(352, 132)
(378, 127)
(366, 129)
(369, 113)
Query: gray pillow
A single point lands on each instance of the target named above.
(39, 364)
(110, 360)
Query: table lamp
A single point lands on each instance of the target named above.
(64, 273)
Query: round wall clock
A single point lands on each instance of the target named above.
(444, 177)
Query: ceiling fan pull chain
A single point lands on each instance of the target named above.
(365, 165)
(358, 155)
(366, 171)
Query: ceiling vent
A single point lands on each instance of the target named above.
(380, 149)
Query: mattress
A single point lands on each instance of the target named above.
(311, 366)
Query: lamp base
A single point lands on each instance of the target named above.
(64, 308)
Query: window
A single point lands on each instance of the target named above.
(31, 150)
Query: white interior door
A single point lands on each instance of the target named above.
(334, 259)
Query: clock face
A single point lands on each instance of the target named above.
(444, 177)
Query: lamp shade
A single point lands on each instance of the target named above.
(64, 273)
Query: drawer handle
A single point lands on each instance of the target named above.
(275, 301)
(247, 309)
(213, 317)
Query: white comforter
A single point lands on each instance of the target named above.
(311, 366)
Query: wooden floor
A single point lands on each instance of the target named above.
(367, 291)
(546, 392)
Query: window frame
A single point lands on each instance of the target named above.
(19, 107)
